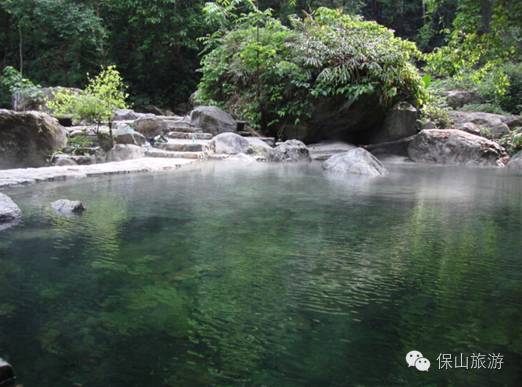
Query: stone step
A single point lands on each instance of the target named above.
(190, 136)
(182, 126)
(159, 153)
(177, 145)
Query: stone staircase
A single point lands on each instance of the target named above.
(187, 141)
(184, 141)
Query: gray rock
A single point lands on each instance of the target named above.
(458, 98)
(429, 125)
(212, 120)
(126, 135)
(150, 126)
(259, 148)
(28, 139)
(400, 122)
(35, 99)
(516, 161)
(64, 160)
(357, 161)
(126, 115)
(291, 151)
(455, 147)
(229, 143)
(324, 150)
(500, 130)
(122, 152)
(68, 207)
(483, 120)
(10, 213)
(470, 127)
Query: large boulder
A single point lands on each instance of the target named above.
(259, 148)
(484, 120)
(126, 135)
(516, 161)
(150, 126)
(229, 143)
(28, 139)
(357, 161)
(458, 98)
(68, 207)
(291, 151)
(455, 147)
(122, 152)
(36, 98)
(10, 213)
(212, 120)
(400, 122)
(322, 151)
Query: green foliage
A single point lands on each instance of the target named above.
(482, 49)
(435, 110)
(483, 107)
(512, 141)
(11, 81)
(511, 101)
(104, 94)
(270, 74)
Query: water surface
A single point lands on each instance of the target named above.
(276, 276)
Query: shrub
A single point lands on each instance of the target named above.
(512, 141)
(104, 94)
(272, 75)
(511, 101)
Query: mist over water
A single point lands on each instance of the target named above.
(268, 275)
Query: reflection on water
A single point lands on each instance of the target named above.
(266, 276)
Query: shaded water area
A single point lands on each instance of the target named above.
(276, 276)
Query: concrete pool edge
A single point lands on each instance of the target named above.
(24, 176)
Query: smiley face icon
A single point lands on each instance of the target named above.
(412, 357)
(422, 364)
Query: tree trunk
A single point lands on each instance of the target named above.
(21, 48)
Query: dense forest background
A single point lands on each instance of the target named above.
(156, 44)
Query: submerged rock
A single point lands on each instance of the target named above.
(68, 207)
(28, 139)
(229, 143)
(212, 120)
(356, 161)
(455, 147)
(122, 152)
(10, 213)
(291, 151)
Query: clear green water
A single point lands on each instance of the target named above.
(277, 276)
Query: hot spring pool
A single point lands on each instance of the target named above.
(276, 276)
